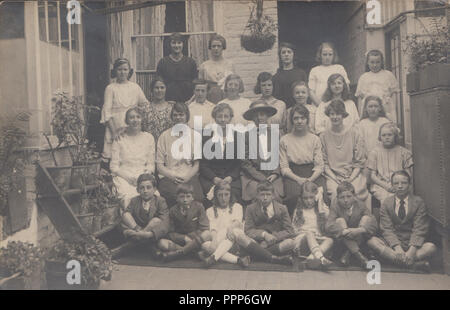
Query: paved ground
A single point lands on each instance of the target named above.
(135, 277)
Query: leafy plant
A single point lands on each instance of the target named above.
(70, 122)
(105, 195)
(12, 138)
(92, 254)
(21, 257)
(429, 49)
(259, 33)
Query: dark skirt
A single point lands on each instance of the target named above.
(292, 190)
(168, 189)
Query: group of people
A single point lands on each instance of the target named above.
(316, 204)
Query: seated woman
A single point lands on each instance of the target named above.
(350, 223)
(174, 171)
(188, 226)
(252, 172)
(223, 216)
(384, 160)
(300, 157)
(344, 153)
(219, 169)
(132, 155)
(147, 217)
(308, 222)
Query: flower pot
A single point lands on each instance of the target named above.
(61, 176)
(434, 75)
(110, 216)
(258, 42)
(86, 221)
(21, 282)
(56, 276)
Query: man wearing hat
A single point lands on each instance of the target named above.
(265, 165)
(178, 71)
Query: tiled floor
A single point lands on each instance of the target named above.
(135, 277)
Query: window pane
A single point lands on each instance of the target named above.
(53, 23)
(148, 52)
(42, 22)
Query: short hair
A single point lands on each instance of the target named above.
(344, 187)
(262, 77)
(374, 53)
(176, 36)
(117, 63)
(338, 106)
(135, 109)
(217, 37)
(221, 107)
(155, 80)
(201, 82)
(381, 112)
(319, 52)
(403, 173)
(328, 94)
(264, 186)
(185, 188)
(301, 83)
(180, 107)
(234, 77)
(309, 187)
(290, 46)
(394, 129)
(300, 109)
(146, 177)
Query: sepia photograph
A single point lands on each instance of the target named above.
(237, 146)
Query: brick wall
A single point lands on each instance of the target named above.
(247, 65)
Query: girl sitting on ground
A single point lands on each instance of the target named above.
(308, 221)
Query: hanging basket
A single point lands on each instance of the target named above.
(259, 34)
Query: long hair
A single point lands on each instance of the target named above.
(117, 63)
(381, 112)
(262, 77)
(234, 77)
(298, 219)
(217, 188)
(319, 52)
(328, 95)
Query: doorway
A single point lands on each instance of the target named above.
(307, 24)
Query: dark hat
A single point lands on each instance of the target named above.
(259, 105)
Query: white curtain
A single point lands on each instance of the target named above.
(200, 17)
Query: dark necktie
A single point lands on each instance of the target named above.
(402, 210)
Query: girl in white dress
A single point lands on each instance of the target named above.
(337, 89)
(379, 82)
(234, 86)
(327, 57)
(120, 95)
(224, 216)
(132, 155)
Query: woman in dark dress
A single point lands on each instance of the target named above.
(178, 71)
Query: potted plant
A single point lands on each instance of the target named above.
(92, 255)
(12, 161)
(70, 120)
(429, 67)
(20, 266)
(107, 200)
(259, 34)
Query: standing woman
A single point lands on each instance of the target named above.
(156, 115)
(120, 95)
(287, 74)
(132, 155)
(216, 69)
(344, 153)
(178, 71)
(174, 171)
(300, 157)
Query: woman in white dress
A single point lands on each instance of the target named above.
(120, 95)
(132, 155)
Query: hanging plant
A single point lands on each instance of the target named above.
(259, 34)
